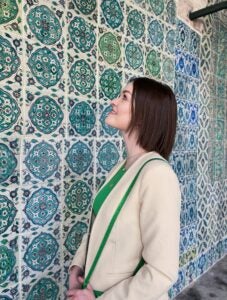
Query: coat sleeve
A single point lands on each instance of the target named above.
(79, 257)
(160, 232)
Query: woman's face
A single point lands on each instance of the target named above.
(121, 114)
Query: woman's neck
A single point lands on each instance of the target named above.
(134, 151)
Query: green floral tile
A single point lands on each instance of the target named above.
(128, 76)
(187, 256)
(10, 16)
(153, 63)
(112, 14)
(110, 44)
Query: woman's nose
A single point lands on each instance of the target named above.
(114, 101)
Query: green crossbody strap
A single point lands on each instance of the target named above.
(110, 226)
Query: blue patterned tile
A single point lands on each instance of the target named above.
(180, 86)
(45, 288)
(109, 83)
(40, 205)
(135, 27)
(194, 43)
(112, 14)
(104, 129)
(183, 35)
(75, 236)
(156, 7)
(82, 37)
(170, 12)
(82, 78)
(108, 155)
(42, 161)
(155, 33)
(181, 139)
(179, 284)
(191, 163)
(134, 56)
(44, 114)
(180, 61)
(47, 30)
(179, 164)
(170, 39)
(194, 67)
(85, 8)
(79, 157)
(191, 271)
(202, 264)
(11, 85)
(82, 118)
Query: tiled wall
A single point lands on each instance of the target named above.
(61, 62)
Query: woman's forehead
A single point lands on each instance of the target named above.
(128, 87)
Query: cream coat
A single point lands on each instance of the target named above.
(148, 225)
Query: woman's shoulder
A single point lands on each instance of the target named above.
(157, 167)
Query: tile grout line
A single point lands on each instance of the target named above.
(63, 154)
(21, 154)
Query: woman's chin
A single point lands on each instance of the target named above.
(110, 122)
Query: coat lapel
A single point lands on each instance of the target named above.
(109, 206)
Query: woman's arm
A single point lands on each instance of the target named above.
(160, 232)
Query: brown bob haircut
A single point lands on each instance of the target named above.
(154, 115)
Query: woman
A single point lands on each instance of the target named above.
(139, 259)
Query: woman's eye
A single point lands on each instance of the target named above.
(124, 97)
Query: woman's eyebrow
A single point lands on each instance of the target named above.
(126, 91)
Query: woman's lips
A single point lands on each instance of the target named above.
(113, 112)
